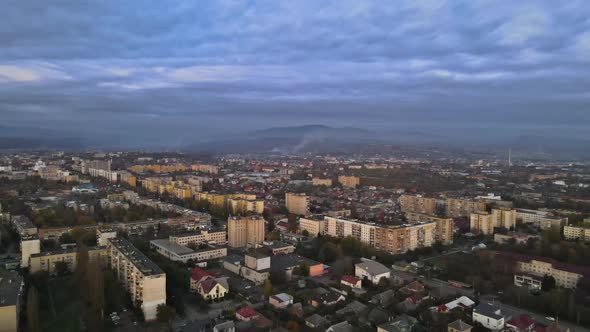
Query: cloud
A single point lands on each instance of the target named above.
(257, 63)
(30, 73)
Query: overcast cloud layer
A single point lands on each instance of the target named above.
(171, 70)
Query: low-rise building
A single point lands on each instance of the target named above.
(177, 252)
(371, 270)
(29, 245)
(459, 326)
(519, 238)
(351, 281)
(280, 301)
(488, 315)
(349, 181)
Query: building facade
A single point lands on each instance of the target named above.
(463, 207)
(139, 276)
(481, 222)
(297, 203)
(504, 218)
(245, 231)
(419, 204)
(443, 226)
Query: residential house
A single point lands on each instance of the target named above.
(247, 314)
(281, 300)
(403, 323)
(521, 323)
(459, 326)
(488, 315)
(371, 270)
(341, 327)
(316, 321)
(327, 299)
(351, 281)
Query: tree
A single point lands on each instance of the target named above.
(61, 268)
(383, 282)
(165, 313)
(305, 232)
(267, 288)
(33, 309)
(548, 283)
(303, 269)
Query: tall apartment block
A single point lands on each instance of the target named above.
(463, 207)
(504, 218)
(349, 181)
(481, 222)
(245, 231)
(140, 277)
(443, 226)
(297, 203)
(419, 204)
(393, 239)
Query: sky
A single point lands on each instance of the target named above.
(170, 71)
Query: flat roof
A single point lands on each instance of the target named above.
(136, 257)
(10, 286)
(171, 246)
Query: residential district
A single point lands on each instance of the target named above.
(131, 241)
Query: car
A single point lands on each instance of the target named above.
(549, 318)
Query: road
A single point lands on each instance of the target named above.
(511, 311)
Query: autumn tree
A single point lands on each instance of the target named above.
(267, 288)
(33, 309)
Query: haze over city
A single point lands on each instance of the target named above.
(175, 75)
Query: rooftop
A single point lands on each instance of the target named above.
(172, 247)
(10, 287)
(373, 267)
(136, 257)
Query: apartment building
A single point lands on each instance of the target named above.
(349, 181)
(393, 239)
(419, 204)
(204, 168)
(104, 234)
(399, 239)
(463, 207)
(158, 168)
(242, 205)
(46, 261)
(11, 293)
(443, 226)
(198, 237)
(245, 231)
(140, 277)
(29, 245)
(565, 275)
(297, 203)
(128, 178)
(504, 218)
(541, 219)
(23, 225)
(571, 232)
(340, 228)
(321, 182)
(481, 222)
(314, 225)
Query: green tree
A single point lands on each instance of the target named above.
(383, 282)
(61, 268)
(303, 269)
(305, 232)
(33, 309)
(548, 283)
(165, 314)
(267, 288)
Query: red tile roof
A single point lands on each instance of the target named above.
(247, 312)
(197, 274)
(208, 284)
(521, 322)
(350, 279)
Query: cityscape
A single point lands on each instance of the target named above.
(295, 166)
